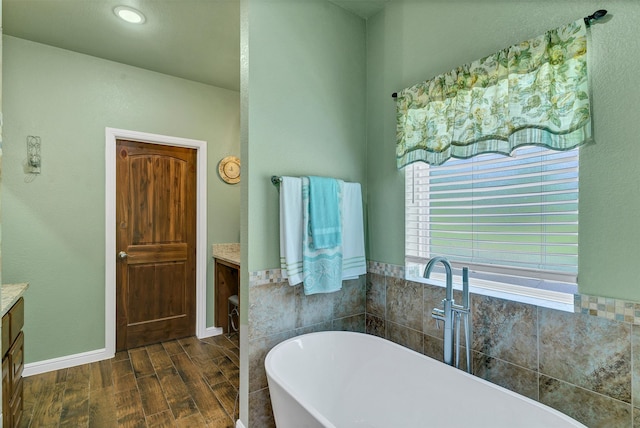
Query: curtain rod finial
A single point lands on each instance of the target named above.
(596, 15)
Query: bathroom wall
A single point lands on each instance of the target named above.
(583, 365)
(304, 114)
(306, 108)
(54, 236)
(411, 41)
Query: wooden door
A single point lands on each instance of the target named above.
(156, 236)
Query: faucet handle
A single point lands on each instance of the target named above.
(465, 287)
(438, 315)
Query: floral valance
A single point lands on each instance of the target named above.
(532, 93)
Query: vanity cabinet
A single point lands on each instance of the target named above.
(227, 281)
(12, 364)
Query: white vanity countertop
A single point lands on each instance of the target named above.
(227, 252)
(10, 295)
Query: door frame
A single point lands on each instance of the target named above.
(112, 134)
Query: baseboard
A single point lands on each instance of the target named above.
(88, 357)
(239, 424)
(66, 362)
(210, 331)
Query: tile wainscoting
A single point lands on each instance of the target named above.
(605, 307)
(278, 311)
(585, 364)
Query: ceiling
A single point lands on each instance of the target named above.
(197, 40)
(363, 8)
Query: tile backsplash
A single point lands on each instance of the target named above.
(585, 364)
(605, 307)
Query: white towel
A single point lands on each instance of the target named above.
(291, 229)
(353, 256)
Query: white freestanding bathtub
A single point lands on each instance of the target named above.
(351, 380)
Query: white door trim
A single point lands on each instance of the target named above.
(110, 227)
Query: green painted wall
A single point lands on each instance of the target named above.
(306, 106)
(303, 113)
(411, 41)
(54, 235)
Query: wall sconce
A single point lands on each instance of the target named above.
(33, 154)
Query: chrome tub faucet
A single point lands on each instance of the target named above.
(452, 314)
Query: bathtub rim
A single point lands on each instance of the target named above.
(268, 365)
(316, 414)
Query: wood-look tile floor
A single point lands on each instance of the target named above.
(180, 383)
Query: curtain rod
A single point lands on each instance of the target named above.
(587, 20)
(276, 180)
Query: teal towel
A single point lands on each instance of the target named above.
(324, 212)
(321, 268)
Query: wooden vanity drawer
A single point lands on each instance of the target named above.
(17, 318)
(6, 334)
(16, 405)
(6, 393)
(12, 365)
(12, 323)
(16, 358)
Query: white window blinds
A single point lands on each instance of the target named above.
(510, 216)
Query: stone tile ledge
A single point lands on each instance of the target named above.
(603, 307)
(385, 269)
(10, 295)
(227, 252)
(268, 276)
(609, 308)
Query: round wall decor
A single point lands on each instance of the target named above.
(229, 169)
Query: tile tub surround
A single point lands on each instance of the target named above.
(579, 363)
(278, 311)
(583, 365)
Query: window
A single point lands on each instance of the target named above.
(512, 220)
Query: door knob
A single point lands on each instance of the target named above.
(123, 255)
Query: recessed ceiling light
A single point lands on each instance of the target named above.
(129, 14)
